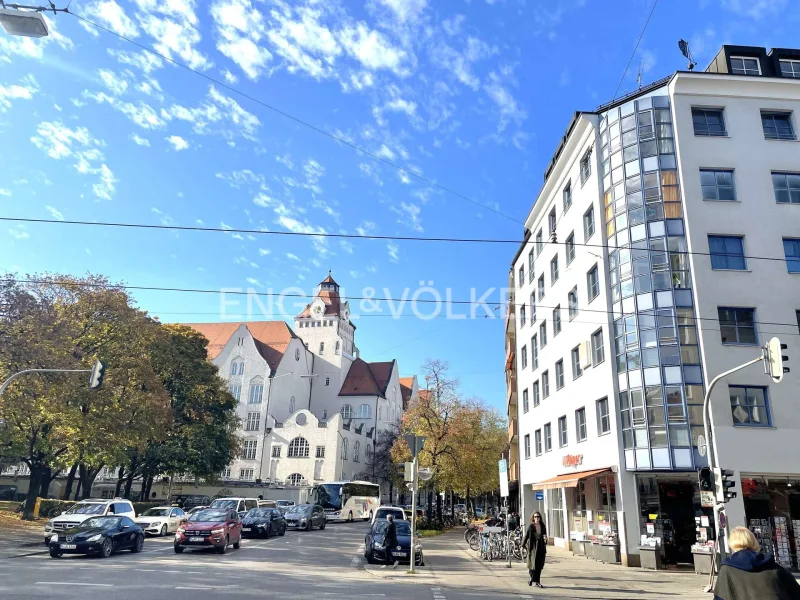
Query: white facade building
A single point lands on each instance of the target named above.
(670, 193)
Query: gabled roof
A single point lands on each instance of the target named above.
(271, 338)
(367, 379)
(406, 389)
(332, 303)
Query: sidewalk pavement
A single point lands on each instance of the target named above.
(455, 567)
(21, 541)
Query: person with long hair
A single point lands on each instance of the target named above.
(535, 541)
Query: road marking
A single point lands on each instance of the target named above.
(73, 583)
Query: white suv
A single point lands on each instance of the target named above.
(85, 509)
(384, 511)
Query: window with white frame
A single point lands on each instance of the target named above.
(545, 384)
(521, 279)
(525, 400)
(536, 398)
(346, 411)
(523, 357)
(586, 166)
(598, 349)
(572, 299)
(252, 422)
(226, 473)
(530, 265)
(790, 68)
(249, 449)
(538, 440)
(539, 243)
(235, 390)
(577, 371)
(299, 448)
(543, 334)
(548, 438)
(580, 424)
(743, 65)
(556, 320)
(540, 286)
(522, 316)
(256, 391)
(567, 194)
(554, 270)
(562, 432)
(295, 479)
(276, 451)
(571, 247)
(588, 223)
(534, 354)
(364, 412)
(593, 283)
(246, 474)
(551, 220)
(527, 445)
(603, 417)
(320, 452)
(559, 374)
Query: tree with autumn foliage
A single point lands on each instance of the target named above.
(463, 438)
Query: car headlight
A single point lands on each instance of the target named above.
(303, 520)
(54, 538)
(378, 546)
(48, 525)
(94, 538)
(155, 524)
(217, 531)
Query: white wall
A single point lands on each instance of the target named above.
(766, 285)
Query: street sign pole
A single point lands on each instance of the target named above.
(502, 467)
(413, 514)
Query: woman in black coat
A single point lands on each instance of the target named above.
(535, 542)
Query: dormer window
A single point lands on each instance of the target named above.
(741, 65)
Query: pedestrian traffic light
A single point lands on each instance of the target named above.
(775, 358)
(705, 480)
(96, 377)
(724, 482)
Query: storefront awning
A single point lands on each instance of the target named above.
(569, 480)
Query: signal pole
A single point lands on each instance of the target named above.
(95, 381)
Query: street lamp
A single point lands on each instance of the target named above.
(26, 23)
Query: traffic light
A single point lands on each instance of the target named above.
(705, 480)
(775, 358)
(724, 482)
(408, 471)
(96, 377)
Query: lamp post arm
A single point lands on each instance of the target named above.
(26, 371)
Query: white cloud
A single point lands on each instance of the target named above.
(55, 213)
(460, 63)
(59, 141)
(217, 108)
(401, 105)
(305, 43)
(177, 142)
(240, 27)
(452, 25)
(5, 192)
(507, 108)
(394, 251)
(385, 152)
(409, 215)
(109, 14)
(140, 113)
(291, 256)
(173, 26)
(242, 178)
(18, 233)
(254, 281)
(366, 228)
(33, 47)
(406, 10)
(139, 140)
(145, 61)
(372, 49)
(229, 77)
(112, 81)
(25, 91)
(264, 251)
(347, 246)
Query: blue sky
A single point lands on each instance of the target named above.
(473, 95)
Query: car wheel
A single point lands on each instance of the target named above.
(237, 545)
(223, 549)
(55, 553)
(179, 549)
(369, 518)
(371, 558)
(106, 549)
(282, 532)
(310, 525)
(163, 530)
(137, 545)
(324, 522)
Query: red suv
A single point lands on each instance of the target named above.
(210, 527)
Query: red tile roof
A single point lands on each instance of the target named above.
(367, 379)
(271, 338)
(332, 303)
(406, 389)
(329, 279)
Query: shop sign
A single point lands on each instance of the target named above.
(539, 495)
(572, 460)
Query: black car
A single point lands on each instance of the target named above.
(263, 522)
(305, 516)
(98, 535)
(374, 550)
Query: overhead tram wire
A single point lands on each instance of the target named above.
(239, 292)
(354, 236)
(635, 48)
(298, 120)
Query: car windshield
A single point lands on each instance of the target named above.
(224, 504)
(385, 512)
(402, 527)
(258, 512)
(156, 512)
(299, 508)
(83, 508)
(209, 516)
(285, 503)
(101, 522)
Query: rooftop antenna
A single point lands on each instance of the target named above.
(684, 46)
(639, 75)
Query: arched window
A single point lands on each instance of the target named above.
(356, 450)
(344, 448)
(298, 448)
(338, 347)
(321, 347)
(295, 479)
(237, 367)
(347, 412)
(368, 454)
(364, 412)
(291, 405)
(256, 390)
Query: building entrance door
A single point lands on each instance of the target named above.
(678, 512)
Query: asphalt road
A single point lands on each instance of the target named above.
(325, 564)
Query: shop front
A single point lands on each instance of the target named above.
(581, 511)
(672, 519)
(772, 510)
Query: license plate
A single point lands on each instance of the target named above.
(69, 546)
(196, 539)
(245, 528)
(399, 553)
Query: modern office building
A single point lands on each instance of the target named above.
(663, 250)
